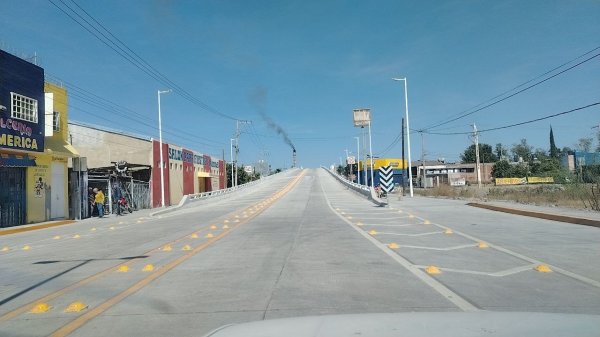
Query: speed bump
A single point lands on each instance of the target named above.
(40, 308)
(5, 249)
(123, 269)
(26, 247)
(167, 248)
(56, 237)
(372, 232)
(148, 267)
(483, 245)
(542, 268)
(448, 231)
(186, 247)
(76, 307)
(209, 235)
(393, 245)
(194, 236)
(433, 270)
(213, 227)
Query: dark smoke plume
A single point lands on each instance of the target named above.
(259, 99)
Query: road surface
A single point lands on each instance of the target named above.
(297, 244)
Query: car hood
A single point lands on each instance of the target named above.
(421, 324)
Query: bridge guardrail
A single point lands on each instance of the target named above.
(362, 189)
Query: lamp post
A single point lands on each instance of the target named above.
(231, 156)
(162, 165)
(357, 160)
(410, 184)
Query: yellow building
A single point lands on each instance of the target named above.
(47, 181)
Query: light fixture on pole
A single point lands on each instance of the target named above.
(162, 163)
(358, 160)
(410, 184)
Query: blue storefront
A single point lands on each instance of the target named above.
(21, 133)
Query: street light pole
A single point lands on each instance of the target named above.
(162, 165)
(371, 164)
(357, 160)
(407, 132)
(231, 157)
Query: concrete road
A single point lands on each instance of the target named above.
(298, 244)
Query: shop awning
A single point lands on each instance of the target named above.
(203, 175)
(11, 160)
(59, 147)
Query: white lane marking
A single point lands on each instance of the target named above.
(380, 218)
(501, 273)
(451, 296)
(403, 234)
(440, 249)
(383, 225)
(559, 270)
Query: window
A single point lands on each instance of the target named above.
(23, 108)
(56, 121)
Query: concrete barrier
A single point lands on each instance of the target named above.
(361, 189)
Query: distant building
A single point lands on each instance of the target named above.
(575, 160)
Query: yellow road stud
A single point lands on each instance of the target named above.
(373, 232)
(448, 231)
(411, 216)
(167, 248)
(76, 236)
(5, 249)
(194, 236)
(111, 228)
(349, 217)
(186, 247)
(342, 213)
(237, 220)
(393, 245)
(123, 269)
(139, 221)
(213, 227)
(542, 268)
(76, 307)
(93, 229)
(225, 227)
(148, 267)
(121, 222)
(40, 308)
(237, 216)
(56, 237)
(433, 270)
(226, 221)
(483, 245)
(209, 235)
(26, 247)
(427, 222)
(399, 211)
(359, 224)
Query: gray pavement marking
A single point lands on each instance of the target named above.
(451, 296)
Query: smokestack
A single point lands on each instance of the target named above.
(294, 158)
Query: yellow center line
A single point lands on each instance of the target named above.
(83, 319)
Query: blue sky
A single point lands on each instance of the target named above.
(307, 64)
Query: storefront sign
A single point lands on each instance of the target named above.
(19, 135)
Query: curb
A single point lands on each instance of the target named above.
(35, 227)
(546, 216)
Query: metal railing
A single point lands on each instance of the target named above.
(362, 189)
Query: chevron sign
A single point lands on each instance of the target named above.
(386, 178)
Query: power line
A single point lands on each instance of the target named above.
(466, 113)
(516, 124)
(129, 55)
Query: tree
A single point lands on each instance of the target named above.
(554, 152)
(501, 169)
(584, 144)
(522, 151)
(540, 154)
(500, 151)
(486, 155)
(598, 135)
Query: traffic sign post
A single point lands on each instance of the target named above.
(386, 180)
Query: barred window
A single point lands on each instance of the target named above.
(56, 121)
(24, 108)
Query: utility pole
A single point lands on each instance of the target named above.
(357, 160)
(238, 131)
(477, 166)
(347, 162)
(422, 159)
(405, 170)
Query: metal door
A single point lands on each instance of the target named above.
(57, 191)
(12, 196)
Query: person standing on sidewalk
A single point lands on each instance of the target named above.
(99, 200)
(117, 195)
